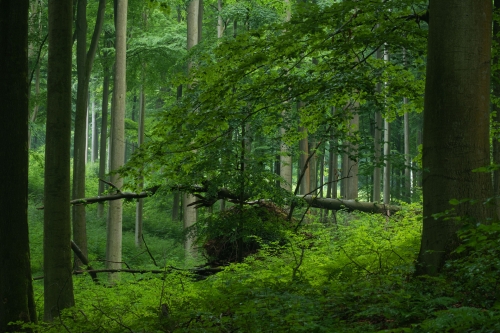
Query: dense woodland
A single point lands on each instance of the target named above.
(249, 166)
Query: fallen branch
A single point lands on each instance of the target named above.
(350, 205)
(201, 273)
(223, 193)
(83, 259)
(116, 196)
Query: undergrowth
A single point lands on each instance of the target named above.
(356, 275)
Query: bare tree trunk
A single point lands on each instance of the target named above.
(95, 139)
(496, 107)
(114, 228)
(194, 29)
(303, 168)
(352, 163)
(16, 289)
(84, 66)
(456, 140)
(286, 156)
(140, 141)
(387, 167)
(58, 282)
(387, 151)
(407, 154)
(104, 138)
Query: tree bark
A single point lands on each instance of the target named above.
(350, 164)
(387, 149)
(84, 62)
(140, 140)
(194, 29)
(377, 138)
(456, 126)
(114, 226)
(104, 138)
(95, 140)
(303, 168)
(58, 282)
(496, 107)
(387, 166)
(16, 291)
(407, 178)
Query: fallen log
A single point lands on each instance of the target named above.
(350, 205)
(315, 202)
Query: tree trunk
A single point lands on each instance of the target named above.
(114, 227)
(407, 178)
(303, 169)
(95, 140)
(387, 166)
(58, 282)
(496, 107)
(84, 63)
(16, 291)
(351, 185)
(313, 166)
(140, 141)
(104, 138)
(456, 126)
(194, 29)
(387, 149)
(286, 155)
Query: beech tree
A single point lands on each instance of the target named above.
(16, 291)
(456, 125)
(58, 281)
(194, 30)
(114, 226)
(84, 61)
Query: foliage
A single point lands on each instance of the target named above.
(240, 231)
(249, 87)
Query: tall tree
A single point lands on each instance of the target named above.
(387, 149)
(58, 280)
(140, 139)
(16, 291)
(377, 137)
(496, 107)
(84, 62)
(285, 154)
(456, 124)
(194, 30)
(114, 226)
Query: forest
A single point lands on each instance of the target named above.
(250, 166)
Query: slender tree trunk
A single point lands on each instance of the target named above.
(387, 151)
(95, 137)
(114, 232)
(140, 141)
(84, 62)
(79, 151)
(496, 107)
(303, 168)
(16, 291)
(456, 140)
(286, 156)
(407, 177)
(194, 29)
(37, 105)
(220, 23)
(313, 166)
(58, 279)
(104, 139)
(377, 171)
(387, 166)
(352, 166)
